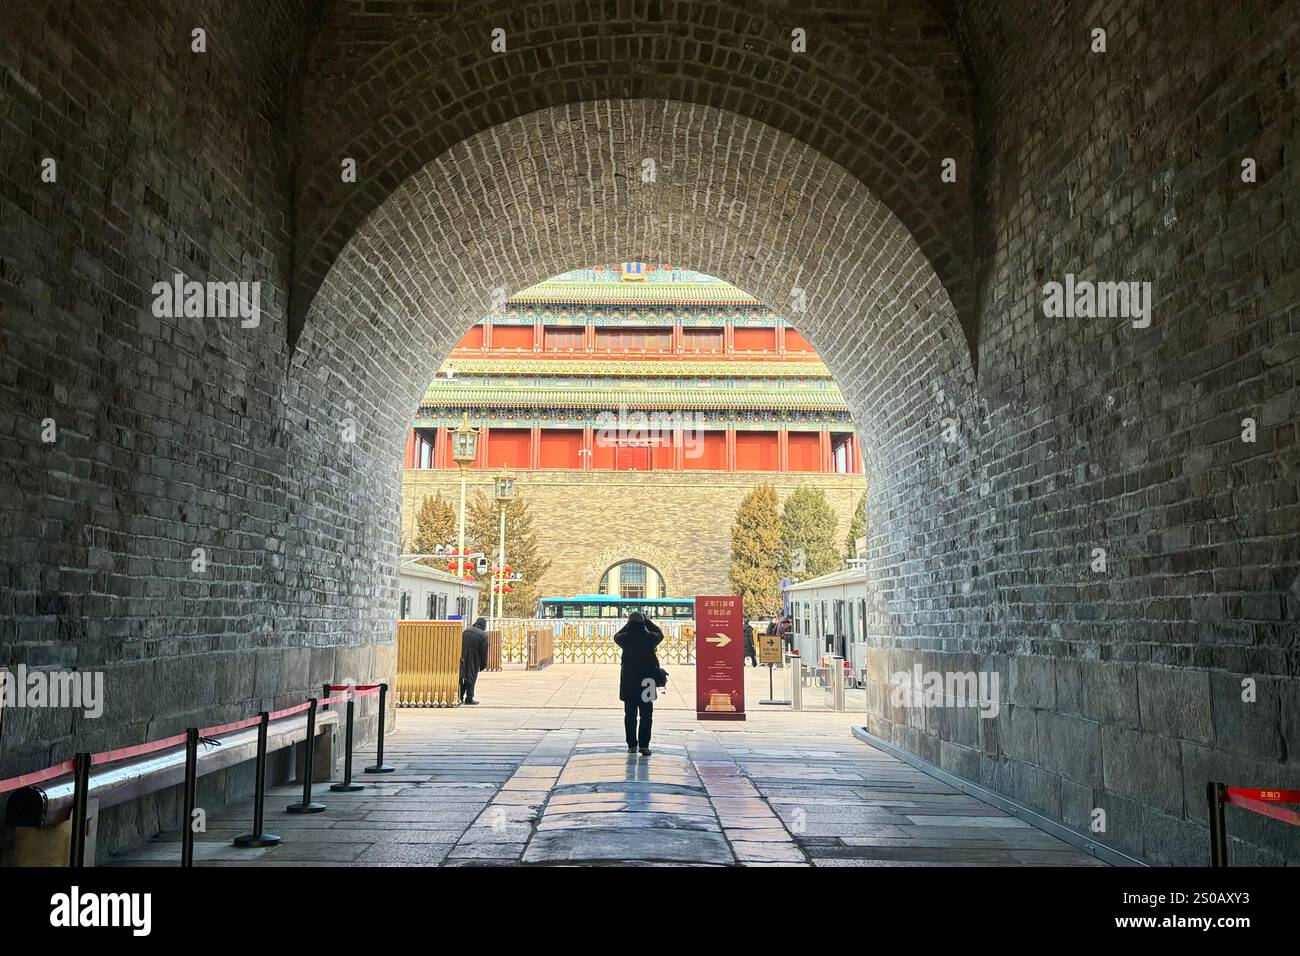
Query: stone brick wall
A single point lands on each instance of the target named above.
(678, 522)
(1123, 690)
(171, 433)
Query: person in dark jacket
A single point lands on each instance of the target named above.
(473, 658)
(638, 639)
(750, 651)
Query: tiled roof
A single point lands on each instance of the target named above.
(638, 368)
(534, 396)
(633, 292)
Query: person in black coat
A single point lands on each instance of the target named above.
(473, 658)
(638, 639)
(750, 651)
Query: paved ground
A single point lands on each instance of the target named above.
(539, 774)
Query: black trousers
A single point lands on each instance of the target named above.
(647, 710)
(467, 688)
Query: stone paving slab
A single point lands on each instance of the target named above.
(630, 821)
(517, 781)
(622, 844)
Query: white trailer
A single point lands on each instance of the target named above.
(829, 617)
(431, 594)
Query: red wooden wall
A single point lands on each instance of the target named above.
(757, 451)
(560, 447)
(805, 451)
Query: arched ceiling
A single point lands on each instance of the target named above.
(544, 192)
(882, 91)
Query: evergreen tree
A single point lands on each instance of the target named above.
(857, 527)
(523, 553)
(808, 525)
(435, 524)
(755, 542)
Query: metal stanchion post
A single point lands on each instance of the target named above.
(1218, 826)
(309, 765)
(837, 683)
(380, 766)
(80, 808)
(796, 680)
(259, 836)
(191, 795)
(347, 786)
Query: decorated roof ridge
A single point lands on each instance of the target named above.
(444, 387)
(613, 404)
(648, 282)
(678, 398)
(677, 367)
(627, 293)
(524, 302)
(563, 418)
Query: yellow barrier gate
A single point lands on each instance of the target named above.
(428, 663)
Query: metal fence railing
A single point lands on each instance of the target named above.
(585, 641)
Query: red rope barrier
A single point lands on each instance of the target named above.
(289, 711)
(229, 728)
(37, 776)
(139, 750)
(1237, 797)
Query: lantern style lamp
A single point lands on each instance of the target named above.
(503, 489)
(464, 445)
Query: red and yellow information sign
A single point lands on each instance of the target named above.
(720, 658)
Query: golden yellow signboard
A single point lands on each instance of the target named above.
(769, 649)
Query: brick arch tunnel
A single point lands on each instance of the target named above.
(990, 491)
(431, 260)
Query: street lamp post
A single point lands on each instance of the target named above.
(464, 443)
(504, 489)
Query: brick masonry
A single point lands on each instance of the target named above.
(1122, 689)
(680, 523)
